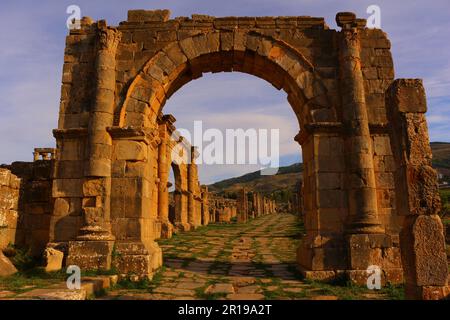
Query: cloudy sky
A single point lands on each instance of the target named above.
(32, 40)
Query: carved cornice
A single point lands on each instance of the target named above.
(147, 135)
(72, 133)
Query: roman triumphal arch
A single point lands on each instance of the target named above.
(370, 195)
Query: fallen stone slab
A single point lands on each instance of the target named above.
(250, 289)
(220, 288)
(243, 281)
(324, 298)
(90, 286)
(53, 294)
(189, 285)
(53, 259)
(6, 266)
(293, 290)
(245, 296)
(174, 291)
(6, 294)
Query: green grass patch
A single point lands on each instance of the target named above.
(31, 279)
(346, 290)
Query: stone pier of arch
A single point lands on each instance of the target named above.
(369, 194)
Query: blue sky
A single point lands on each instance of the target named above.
(32, 40)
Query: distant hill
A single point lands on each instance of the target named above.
(288, 178)
(441, 157)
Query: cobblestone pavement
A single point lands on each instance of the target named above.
(249, 261)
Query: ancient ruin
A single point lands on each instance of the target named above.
(369, 193)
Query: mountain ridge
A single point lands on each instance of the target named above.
(288, 177)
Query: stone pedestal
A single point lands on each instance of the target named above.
(379, 250)
(166, 229)
(326, 259)
(180, 226)
(137, 259)
(424, 253)
(321, 258)
(90, 255)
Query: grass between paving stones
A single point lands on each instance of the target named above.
(348, 291)
(279, 293)
(200, 292)
(222, 259)
(143, 284)
(36, 278)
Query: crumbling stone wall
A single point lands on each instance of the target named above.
(35, 204)
(222, 210)
(422, 237)
(9, 205)
(26, 205)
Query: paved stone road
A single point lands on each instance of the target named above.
(235, 261)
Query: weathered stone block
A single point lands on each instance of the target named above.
(408, 95)
(6, 267)
(130, 150)
(95, 187)
(4, 177)
(90, 255)
(67, 188)
(329, 181)
(61, 207)
(53, 259)
(420, 194)
(423, 251)
(148, 15)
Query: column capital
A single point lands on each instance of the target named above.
(346, 20)
(108, 38)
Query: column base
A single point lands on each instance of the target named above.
(182, 227)
(365, 226)
(90, 255)
(357, 277)
(322, 253)
(332, 258)
(133, 258)
(427, 292)
(166, 230)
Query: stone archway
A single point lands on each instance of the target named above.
(108, 165)
(239, 51)
(262, 56)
